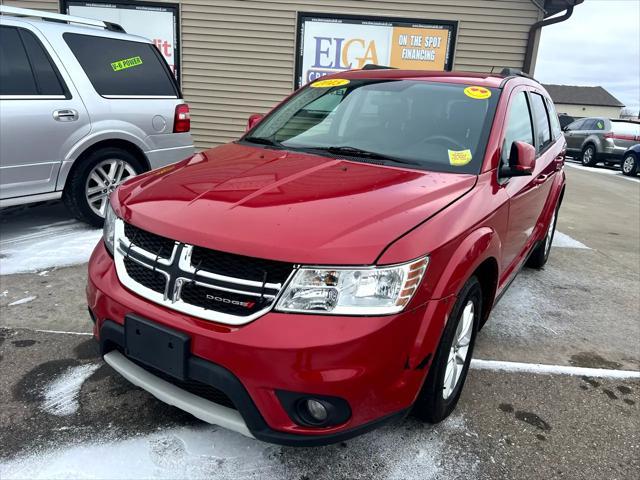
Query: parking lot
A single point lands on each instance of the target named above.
(65, 414)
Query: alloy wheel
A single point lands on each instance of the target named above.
(627, 164)
(459, 350)
(103, 180)
(587, 156)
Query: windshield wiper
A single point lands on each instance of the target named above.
(262, 141)
(359, 152)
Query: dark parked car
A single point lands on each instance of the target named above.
(631, 160)
(596, 139)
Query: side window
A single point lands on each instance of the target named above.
(518, 125)
(541, 121)
(556, 130)
(599, 124)
(16, 77)
(121, 67)
(45, 73)
(589, 125)
(577, 125)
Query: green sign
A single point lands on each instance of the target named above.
(126, 63)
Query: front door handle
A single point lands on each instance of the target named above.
(65, 115)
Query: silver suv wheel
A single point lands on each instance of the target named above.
(459, 350)
(103, 179)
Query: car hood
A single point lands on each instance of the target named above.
(285, 205)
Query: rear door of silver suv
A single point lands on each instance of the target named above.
(41, 113)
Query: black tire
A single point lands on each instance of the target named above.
(431, 406)
(630, 171)
(540, 254)
(592, 159)
(74, 195)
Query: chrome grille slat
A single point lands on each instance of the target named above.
(211, 296)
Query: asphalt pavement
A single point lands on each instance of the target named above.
(65, 414)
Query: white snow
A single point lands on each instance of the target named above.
(545, 369)
(602, 170)
(212, 452)
(565, 241)
(23, 300)
(61, 395)
(42, 238)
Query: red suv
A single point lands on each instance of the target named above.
(329, 271)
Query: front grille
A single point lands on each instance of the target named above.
(221, 301)
(239, 266)
(204, 283)
(148, 241)
(146, 277)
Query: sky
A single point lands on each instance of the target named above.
(598, 45)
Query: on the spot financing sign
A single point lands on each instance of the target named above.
(156, 21)
(333, 43)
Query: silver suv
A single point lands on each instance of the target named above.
(597, 139)
(83, 107)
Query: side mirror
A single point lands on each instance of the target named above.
(522, 160)
(253, 121)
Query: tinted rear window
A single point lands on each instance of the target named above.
(122, 67)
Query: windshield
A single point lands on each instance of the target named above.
(427, 125)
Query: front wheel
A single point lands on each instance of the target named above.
(96, 177)
(589, 156)
(630, 165)
(448, 372)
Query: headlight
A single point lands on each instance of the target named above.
(109, 228)
(362, 291)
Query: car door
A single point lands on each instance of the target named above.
(42, 115)
(528, 121)
(570, 134)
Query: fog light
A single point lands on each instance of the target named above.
(317, 410)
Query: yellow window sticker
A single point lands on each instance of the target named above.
(126, 63)
(459, 158)
(331, 82)
(479, 93)
(600, 125)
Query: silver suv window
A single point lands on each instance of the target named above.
(122, 68)
(25, 67)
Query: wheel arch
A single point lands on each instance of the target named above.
(122, 144)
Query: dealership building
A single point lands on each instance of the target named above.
(238, 57)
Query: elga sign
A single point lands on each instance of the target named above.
(156, 21)
(333, 43)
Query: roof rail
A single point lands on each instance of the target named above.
(57, 17)
(373, 66)
(514, 72)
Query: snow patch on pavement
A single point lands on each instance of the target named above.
(404, 450)
(61, 395)
(23, 300)
(563, 240)
(42, 238)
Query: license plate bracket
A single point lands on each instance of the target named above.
(157, 346)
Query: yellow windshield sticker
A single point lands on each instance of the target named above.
(331, 82)
(479, 93)
(126, 63)
(459, 158)
(600, 125)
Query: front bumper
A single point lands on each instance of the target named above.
(363, 360)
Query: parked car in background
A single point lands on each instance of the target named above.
(83, 107)
(631, 161)
(565, 119)
(330, 270)
(596, 139)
